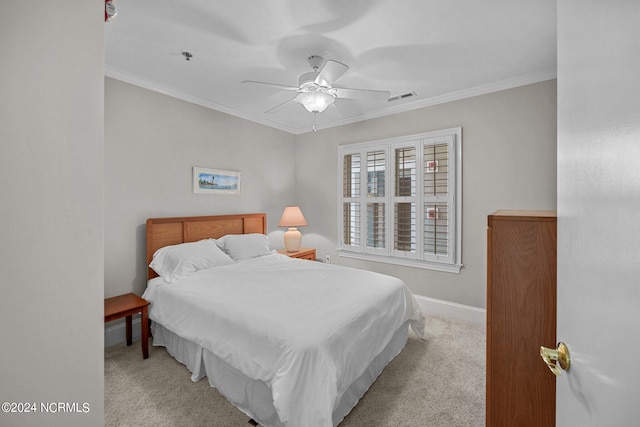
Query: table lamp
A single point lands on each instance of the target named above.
(292, 217)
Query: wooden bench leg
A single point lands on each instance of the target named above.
(129, 331)
(144, 324)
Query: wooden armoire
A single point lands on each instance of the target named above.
(521, 317)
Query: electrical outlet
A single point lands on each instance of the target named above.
(327, 259)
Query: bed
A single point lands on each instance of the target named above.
(289, 342)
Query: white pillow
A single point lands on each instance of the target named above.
(176, 261)
(245, 246)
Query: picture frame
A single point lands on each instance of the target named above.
(216, 181)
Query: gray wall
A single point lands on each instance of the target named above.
(51, 217)
(508, 160)
(152, 141)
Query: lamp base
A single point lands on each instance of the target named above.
(292, 240)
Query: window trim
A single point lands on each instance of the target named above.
(454, 263)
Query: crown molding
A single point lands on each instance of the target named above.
(396, 109)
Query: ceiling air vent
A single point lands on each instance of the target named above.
(403, 96)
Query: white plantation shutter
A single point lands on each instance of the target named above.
(436, 229)
(376, 201)
(376, 226)
(351, 200)
(376, 179)
(438, 199)
(399, 200)
(404, 201)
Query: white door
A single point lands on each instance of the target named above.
(599, 212)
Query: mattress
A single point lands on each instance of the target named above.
(302, 333)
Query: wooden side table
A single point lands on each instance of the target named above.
(303, 253)
(128, 305)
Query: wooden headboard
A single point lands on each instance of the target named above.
(162, 232)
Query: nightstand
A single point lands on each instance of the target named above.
(303, 253)
(126, 306)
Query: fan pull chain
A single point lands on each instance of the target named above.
(315, 114)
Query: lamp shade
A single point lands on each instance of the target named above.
(315, 101)
(292, 217)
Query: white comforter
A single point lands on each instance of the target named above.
(306, 329)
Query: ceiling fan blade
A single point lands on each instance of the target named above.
(367, 95)
(331, 72)
(273, 85)
(280, 107)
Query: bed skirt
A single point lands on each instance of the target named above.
(253, 397)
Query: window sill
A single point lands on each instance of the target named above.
(405, 262)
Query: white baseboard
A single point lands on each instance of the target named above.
(451, 309)
(117, 334)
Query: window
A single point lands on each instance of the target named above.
(400, 200)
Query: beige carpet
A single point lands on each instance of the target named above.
(436, 382)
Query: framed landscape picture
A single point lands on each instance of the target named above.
(215, 181)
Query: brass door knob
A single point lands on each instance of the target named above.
(559, 355)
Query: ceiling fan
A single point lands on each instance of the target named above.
(316, 91)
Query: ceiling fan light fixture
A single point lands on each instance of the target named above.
(315, 101)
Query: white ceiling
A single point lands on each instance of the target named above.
(441, 50)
